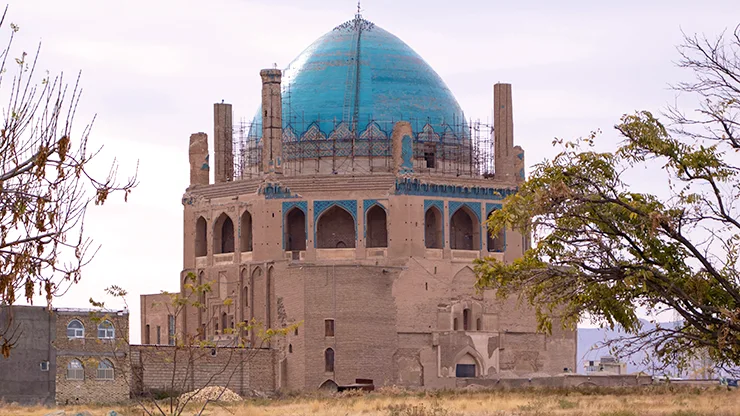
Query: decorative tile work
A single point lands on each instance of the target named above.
(350, 205)
(427, 134)
(289, 134)
(490, 206)
(407, 153)
(275, 191)
(313, 133)
(408, 186)
(455, 205)
(441, 207)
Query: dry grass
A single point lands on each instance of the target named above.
(652, 401)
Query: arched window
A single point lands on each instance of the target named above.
(75, 370)
(290, 348)
(223, 235)
(433, 228)
(246, 297)
(75, 329)
(466, 320)
(106, 330)
(329, 360)
(246, 231)
(478, 325)
(105, 370)
(466, 367)
(201, 247)
(497, 243)
(224, 322)
(464, 230)
(454, 324)
(295, 230)
(377, 227)
(335, 229)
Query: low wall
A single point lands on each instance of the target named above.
(574, 380)
(240, 369)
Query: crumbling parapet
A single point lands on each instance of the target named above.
(403, 147)
(199, 168)
(272, 121)
(223, 143)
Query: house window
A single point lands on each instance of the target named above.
(75, 370)
(147, 335)
(290, 348)
(75, 329)
(44, 366)
(329, 327)
(106, 330)
(430, 151)
(466, 320)
(105, 370)
(171, 328)
(478, 325)
(465, 370)
(329, 360)
(159, 335)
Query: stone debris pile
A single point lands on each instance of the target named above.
(212, 393)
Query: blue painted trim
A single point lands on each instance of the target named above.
(366, 205)
(415, 187)
(287, 206)
(454, 206)
(428, 203)
(319, 207)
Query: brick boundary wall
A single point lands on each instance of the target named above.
(242, 370)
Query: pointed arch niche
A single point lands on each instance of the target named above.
(335, 224)
(201, 242)
(495, 243)
(433, 224)
(223, 235)
(376, 224)
(245, 232)
(464, 227)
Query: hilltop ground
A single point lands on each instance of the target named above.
(653, 400)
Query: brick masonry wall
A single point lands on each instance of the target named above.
(241, 370)
(90, 351)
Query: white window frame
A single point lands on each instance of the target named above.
(78, 332)
(109, 332)
(74, 373)
(105, 370)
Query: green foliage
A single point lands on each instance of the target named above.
(603, 249)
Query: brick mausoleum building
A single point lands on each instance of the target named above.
(355, 202)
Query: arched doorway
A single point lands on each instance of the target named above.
(466, 367)
(335, 229)
(497, 243)
(377, 227)
(295, 230)
(223, 235)
(464, 230)
(433, 228)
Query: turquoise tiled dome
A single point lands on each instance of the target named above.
(359, 73)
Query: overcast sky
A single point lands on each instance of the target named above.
(151, 71)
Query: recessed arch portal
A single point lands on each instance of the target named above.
(336, 228)
(377, 227)
(464, 230)
(433, 228)
(295, 230)
(223, 235)
(497, 243)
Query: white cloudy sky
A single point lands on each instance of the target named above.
(153, 69)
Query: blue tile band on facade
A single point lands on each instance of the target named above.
(275, 191)
(319, 207)
(415, 187)
(287, 206)
(428, 203)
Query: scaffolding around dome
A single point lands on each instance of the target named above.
(463, 149)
